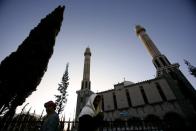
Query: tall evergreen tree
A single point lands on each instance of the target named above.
(62, 98)
(191, 68)
(22, 71)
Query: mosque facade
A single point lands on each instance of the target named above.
(169, 96)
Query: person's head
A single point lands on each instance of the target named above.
(97, 101)
(50, 107)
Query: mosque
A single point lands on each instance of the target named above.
(169, 96)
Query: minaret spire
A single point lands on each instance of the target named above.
(159, 59)
(86, 74)
(85, 91)
(152, 49)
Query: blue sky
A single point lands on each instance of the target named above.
(107, 27)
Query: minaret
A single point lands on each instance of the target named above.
(152, 49)
(179, 83)
(86, 84)
(84, 92)
(159, 60)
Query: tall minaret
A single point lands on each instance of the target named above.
(152, 49)
(86, 84)
(85, 91)
(159, 60)
(181, 87)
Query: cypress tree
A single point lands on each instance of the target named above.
(191, 68)
(22, 71)
(61, 99)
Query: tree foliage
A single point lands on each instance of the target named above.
(62, 98)
(191, 68)
(22, 71)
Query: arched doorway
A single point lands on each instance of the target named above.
(153, 122)
(134, 122)
(174, 121)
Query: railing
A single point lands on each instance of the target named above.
(141, 125)
(106, 126)
(134, 126)
(28, 125)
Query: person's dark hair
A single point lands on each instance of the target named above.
(98, 96)
(50, 104)
(97, 100)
